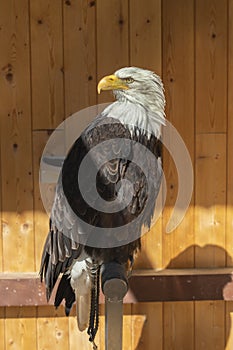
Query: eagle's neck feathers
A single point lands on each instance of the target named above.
(142, 105)
(149, 120)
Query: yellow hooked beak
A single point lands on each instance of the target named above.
(111, 82)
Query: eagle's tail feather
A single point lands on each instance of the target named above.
(82, 309)
(81, 283)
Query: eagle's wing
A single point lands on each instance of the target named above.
(71, 214)
(110, 135)
(59, 249)
(60, 252)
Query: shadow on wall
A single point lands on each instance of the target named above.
(208, 319)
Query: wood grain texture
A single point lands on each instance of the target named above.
(211, 65)
(145, 34)
(150, 256)
(1, 226)
(209, 329)
(210, 199)
(144, 286)
(16, 146)
(229, 236)
(41, 218)
(112, 39)
(229, 326)
(79, 340)
(127, 328)
(178, 334)
(146, 52)
(102, 327)
(46, 63)
(79, 54)
(20, 328)
(210, 165)
(147, 323)
(2, 328)
(210, 250)
(52, 55)
(178, 77)
(52, 331)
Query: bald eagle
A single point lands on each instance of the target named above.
(106, 191)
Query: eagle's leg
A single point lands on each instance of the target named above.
(94, 272)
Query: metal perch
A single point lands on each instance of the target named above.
(114, 286)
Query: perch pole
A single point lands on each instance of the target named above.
(114, 286)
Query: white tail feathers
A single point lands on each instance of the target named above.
(82, 310)
(81, 283)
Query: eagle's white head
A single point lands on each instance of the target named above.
(139, 92)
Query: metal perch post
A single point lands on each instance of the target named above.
(114, 286)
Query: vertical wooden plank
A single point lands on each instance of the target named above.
(145, 34)
(229, 237)
(1, 226)
(77, 339)
(80, 340)
(209, 325)
(211, 113)
(178, 76)
(2, 328)
(16, 156)
(150, 256)
(112, 39)
(79, 54)
(101, 331)
(211, 65)
(229, 326)
(147, 326)
(210, 196)
(41, 219)
(146, 52)
(46, 63)
(20, 328)
(52, 329)
(210, 232)
(178, 325)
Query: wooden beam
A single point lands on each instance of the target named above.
(25, 289)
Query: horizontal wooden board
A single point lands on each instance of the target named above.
(144, 286)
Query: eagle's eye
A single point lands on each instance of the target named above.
(128, 80)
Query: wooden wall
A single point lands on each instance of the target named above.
(52, 53)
